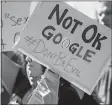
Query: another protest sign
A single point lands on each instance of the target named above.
(70, 43)
(14, 17)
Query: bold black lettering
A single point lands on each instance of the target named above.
(78, 53)
(56, 9)
(72, 49)
(49, 34)
(97, 40)
(77, 22)
(94, 27)
(88, 54)
(65, 21)
(56, 37)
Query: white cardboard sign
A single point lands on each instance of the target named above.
(14, 17)
(70, 43)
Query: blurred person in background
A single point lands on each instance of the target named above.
(18, 61)
(26, 83)
(24, 88)
(104, 87)
(104, 13)
(34, 72)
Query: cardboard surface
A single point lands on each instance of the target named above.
(68, 42)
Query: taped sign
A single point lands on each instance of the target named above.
(69, 42)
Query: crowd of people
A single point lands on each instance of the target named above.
(31, 71)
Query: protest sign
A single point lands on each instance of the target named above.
(14, 17)
(70, 43)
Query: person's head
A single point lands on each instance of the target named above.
(16, 57)
(35, 69)
(105, 13)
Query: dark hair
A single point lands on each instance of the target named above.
(19, 58)
(64, 82)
